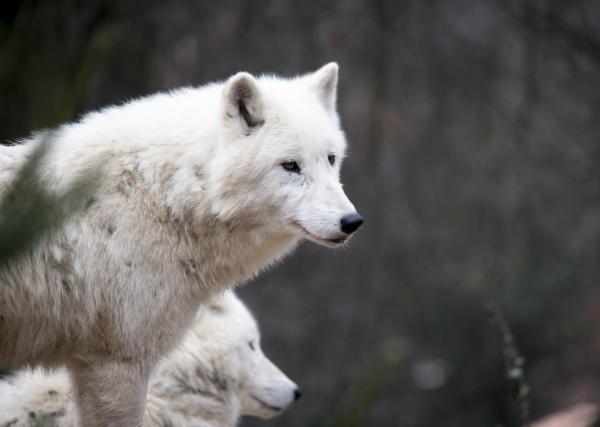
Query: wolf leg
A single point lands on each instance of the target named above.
(110, 392)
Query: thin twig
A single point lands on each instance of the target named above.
(513, 361)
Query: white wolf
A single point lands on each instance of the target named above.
(218, 373)
(201, 188)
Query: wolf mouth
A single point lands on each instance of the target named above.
(326, 242)
(266, 405)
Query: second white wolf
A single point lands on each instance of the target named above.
(218, 373)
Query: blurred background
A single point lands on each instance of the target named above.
(474, 157)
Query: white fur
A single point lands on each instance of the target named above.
(192, 199)
(210, 380)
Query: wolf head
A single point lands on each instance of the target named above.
(227, 341)
(279, 156)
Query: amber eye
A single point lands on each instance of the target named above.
(291, 166)
(331, 159)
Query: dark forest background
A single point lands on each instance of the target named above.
(474, 131)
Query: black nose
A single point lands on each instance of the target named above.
(350, 223)
(297, 393)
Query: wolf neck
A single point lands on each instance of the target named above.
(238, 254)
(203, 406)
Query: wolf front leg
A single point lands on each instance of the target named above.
(110, 392)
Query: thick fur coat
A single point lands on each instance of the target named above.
(199, 189)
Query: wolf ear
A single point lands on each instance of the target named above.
(324, 81)
(243, 101)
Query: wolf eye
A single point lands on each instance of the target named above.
(251, 345)
(291, 166)
(331, 159)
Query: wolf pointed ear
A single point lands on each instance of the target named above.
(243, 101)
(324, 81)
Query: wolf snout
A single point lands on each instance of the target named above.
(350, 223)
